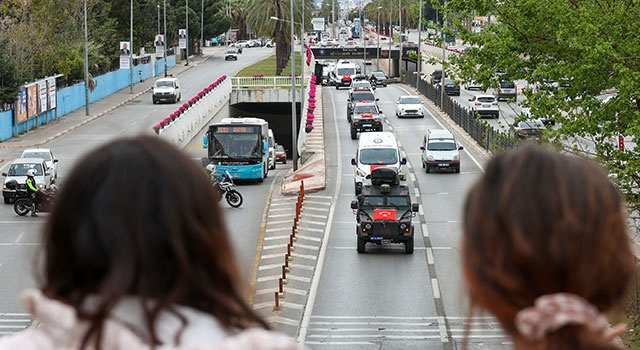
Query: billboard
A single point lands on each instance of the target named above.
(317, 24)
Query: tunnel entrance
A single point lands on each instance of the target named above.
(278, 115)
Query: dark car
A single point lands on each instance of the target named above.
(451, 87)
(359, 95)
(384, 211)
(367, 116)
(281, 154)
(379, 77)
(529, 129)
(435, 77)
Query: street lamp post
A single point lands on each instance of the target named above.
(294, 119)
(401, 37)
(186, 10)
(378, 50)
(158, 20)
(131, 48)
(86, 62)
(390, 34)
(201, 24)
(164, 54)
(419, 44)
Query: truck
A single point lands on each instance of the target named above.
(384, 211)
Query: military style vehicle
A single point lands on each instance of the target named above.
(366, 116)
(384, 211)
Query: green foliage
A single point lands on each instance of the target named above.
(590, 48)
(9, 79)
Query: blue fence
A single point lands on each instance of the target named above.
(73, 97)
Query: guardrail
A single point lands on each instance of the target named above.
(264, 82)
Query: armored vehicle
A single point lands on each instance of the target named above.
(384, 211)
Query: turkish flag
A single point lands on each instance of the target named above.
(373, 167)
(384, 214)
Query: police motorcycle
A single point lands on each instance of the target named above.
(23, 202)
(224, 186)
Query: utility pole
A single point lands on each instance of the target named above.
(166, 46)
(131, 48)
(86, 62)
(419, 45)
(186, 10)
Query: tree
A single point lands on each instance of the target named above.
(259, 18)
(9, 78)
(591, 48)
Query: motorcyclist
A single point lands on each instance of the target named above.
(32, 189)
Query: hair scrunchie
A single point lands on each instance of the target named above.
(554, 311)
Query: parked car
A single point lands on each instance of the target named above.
(281, 154)
(231, 55)
(47, 155)
(451, 87)
(409, 106)
(506, 90)
(484, 105)
(528, 129)
(18, 172)
(241, 43)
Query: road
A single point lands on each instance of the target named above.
(20, 236)
(385, 299)
(382, 299)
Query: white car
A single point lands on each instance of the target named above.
(472, 85)
(47, 155)
(18, 172)
(241, 43)
(485, 105)
(231, 55)
(409, 106)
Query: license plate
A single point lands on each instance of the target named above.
(443, 164)
(366, 125)
(486, 105)
(375, 238)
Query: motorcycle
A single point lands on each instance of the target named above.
(24, 203)
(225, 187)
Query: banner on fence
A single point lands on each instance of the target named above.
(32, 98)
(21, 106)
(42, 94)
(51, 83)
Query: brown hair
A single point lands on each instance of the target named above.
(137, 217)
(540, 222)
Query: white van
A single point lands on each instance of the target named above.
(167, 90)
(344, 72)
(271, 142)
(375, 149)
(440, 150)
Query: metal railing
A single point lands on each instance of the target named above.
(483, 133)
(257, 81)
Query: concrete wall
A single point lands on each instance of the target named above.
(257, 95)
(197, 116)
(73, 97)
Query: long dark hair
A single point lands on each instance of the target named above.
(540, 222)
(137, 217)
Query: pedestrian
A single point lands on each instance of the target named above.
(137, 256)
(546, 250)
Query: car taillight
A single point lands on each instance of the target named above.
(477, 103)
(495, 103)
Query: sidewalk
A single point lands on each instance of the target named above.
(54, 129)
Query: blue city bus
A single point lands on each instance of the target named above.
(240, 146)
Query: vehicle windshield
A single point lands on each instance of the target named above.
(373, 201)
(164, 83)
(21, 169)
(378, 74)
(363, 96)
(378, 156)
(486, 99)
(410, 100)
(363, 109)
(43, 155)
(398, 201)
(346, 70)
(441, 146)
(237, 145)
(507, 85)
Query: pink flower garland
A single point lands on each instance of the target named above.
(185, 106)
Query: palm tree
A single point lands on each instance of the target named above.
(259, 19)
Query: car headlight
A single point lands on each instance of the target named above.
(360, 173)
(431, 158)
(403, 226)
(367, 226)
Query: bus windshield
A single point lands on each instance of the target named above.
(244, 145)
